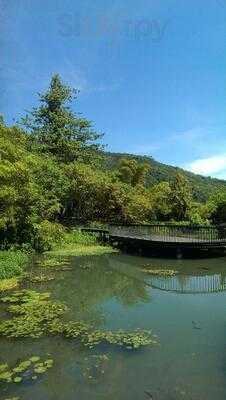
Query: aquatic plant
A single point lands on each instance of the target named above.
(8, 284)
(32, 313)
(25, 296)
(40, 278)
(35, 315)
(27, 369)
(13, 398)
(52, 262)
(96, 367)
(160, 272)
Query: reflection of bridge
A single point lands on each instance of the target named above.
(193, 283)
(189, 284)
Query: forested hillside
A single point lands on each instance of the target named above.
(202, 187)
(54, 172)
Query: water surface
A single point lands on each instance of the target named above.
(187, 312)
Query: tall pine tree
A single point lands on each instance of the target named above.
(55, 129)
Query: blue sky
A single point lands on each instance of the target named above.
(151, 73)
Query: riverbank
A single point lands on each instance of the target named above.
(77, 243)
(74, 243)
(12, 266)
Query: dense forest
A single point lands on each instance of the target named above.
(202, 187)
(54, 172)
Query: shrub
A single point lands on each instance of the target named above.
(78, 237)
(46, 235)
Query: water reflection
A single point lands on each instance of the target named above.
(197, 279)
(114, 292)
(190, 284)
(92, 283)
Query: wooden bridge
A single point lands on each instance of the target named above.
(163, 236)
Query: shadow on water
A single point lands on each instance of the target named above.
(187, 311)
(160, 251)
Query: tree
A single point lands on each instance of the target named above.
(17, 194)
(180, 197)
(132, 172)
(217, 207)
(160, 198)
(55, 129)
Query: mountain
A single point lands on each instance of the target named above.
(202, 187)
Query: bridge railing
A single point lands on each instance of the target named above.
(171, 232)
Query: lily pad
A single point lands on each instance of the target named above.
(17, 379)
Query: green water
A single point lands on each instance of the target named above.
(187, 312)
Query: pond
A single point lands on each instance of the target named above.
(187, 312)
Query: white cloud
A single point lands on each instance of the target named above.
(208, 166)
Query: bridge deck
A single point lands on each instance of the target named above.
(158, 235)
(174, 239)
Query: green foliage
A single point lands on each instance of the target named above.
(51, 175)
(47, 234)
(217, 207)
(180, 198)
(56, 129)
(132, 172)
(202, 187)
(12, 263)
(77, 237)
(16, 189)
(75, 243)
(160, 200)
(95, 195)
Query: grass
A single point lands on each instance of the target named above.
(82, 250)
(78, 243)
(12, 263)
